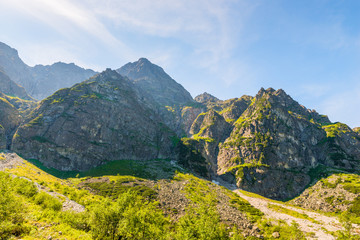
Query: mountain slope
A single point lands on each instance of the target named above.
(99, 120)
(9, 87)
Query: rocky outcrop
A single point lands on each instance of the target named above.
(272, 142)
(336, 193)
(99, 120)
(9, 121)
(357, 130)
(40, 81)
(9, 87)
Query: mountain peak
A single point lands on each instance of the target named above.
(205, 97)
(155, 82)
(144, 60)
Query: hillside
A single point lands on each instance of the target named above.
(82, 207)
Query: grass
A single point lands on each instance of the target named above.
(150, 169)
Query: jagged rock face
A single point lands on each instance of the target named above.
(206, 97)
(272, 144)
(9, 87)
(48, 79)
(9, 121)
(154, 81)
(101, 119)
(209, 129)
(343, 146)
(40, 81)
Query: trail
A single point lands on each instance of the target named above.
(329, 223)
(321, 230)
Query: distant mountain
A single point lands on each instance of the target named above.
(15, 68)
(40, 81)
(155, 82)
(9, 87)
(205, 97)
(48, 79)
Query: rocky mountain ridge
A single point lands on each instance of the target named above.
(268, 144)
(99, 120)
(40, 81)
(272, 143)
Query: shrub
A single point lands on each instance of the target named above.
(47, 201)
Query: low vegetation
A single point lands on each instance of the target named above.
(33, 203)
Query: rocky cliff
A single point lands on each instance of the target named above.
(270, 143)
(99, 120)
(40, 81)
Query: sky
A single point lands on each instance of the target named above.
(309, 48)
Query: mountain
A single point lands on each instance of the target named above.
(9, 87)
(206, 97)
(40, 81)
(155, 82)
(101, 119)
(15, 68)
(270, 143)
(48, 79)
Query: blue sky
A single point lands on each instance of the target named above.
(310, 48)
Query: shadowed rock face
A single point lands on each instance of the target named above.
(9, 87)
(40, 81)
(99, 120)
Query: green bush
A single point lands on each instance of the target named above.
(47, 201)
(25, 187)
(12, 210)
(130, 217)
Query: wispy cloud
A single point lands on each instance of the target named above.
(68, 18)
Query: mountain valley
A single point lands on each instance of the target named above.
(165, 165)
